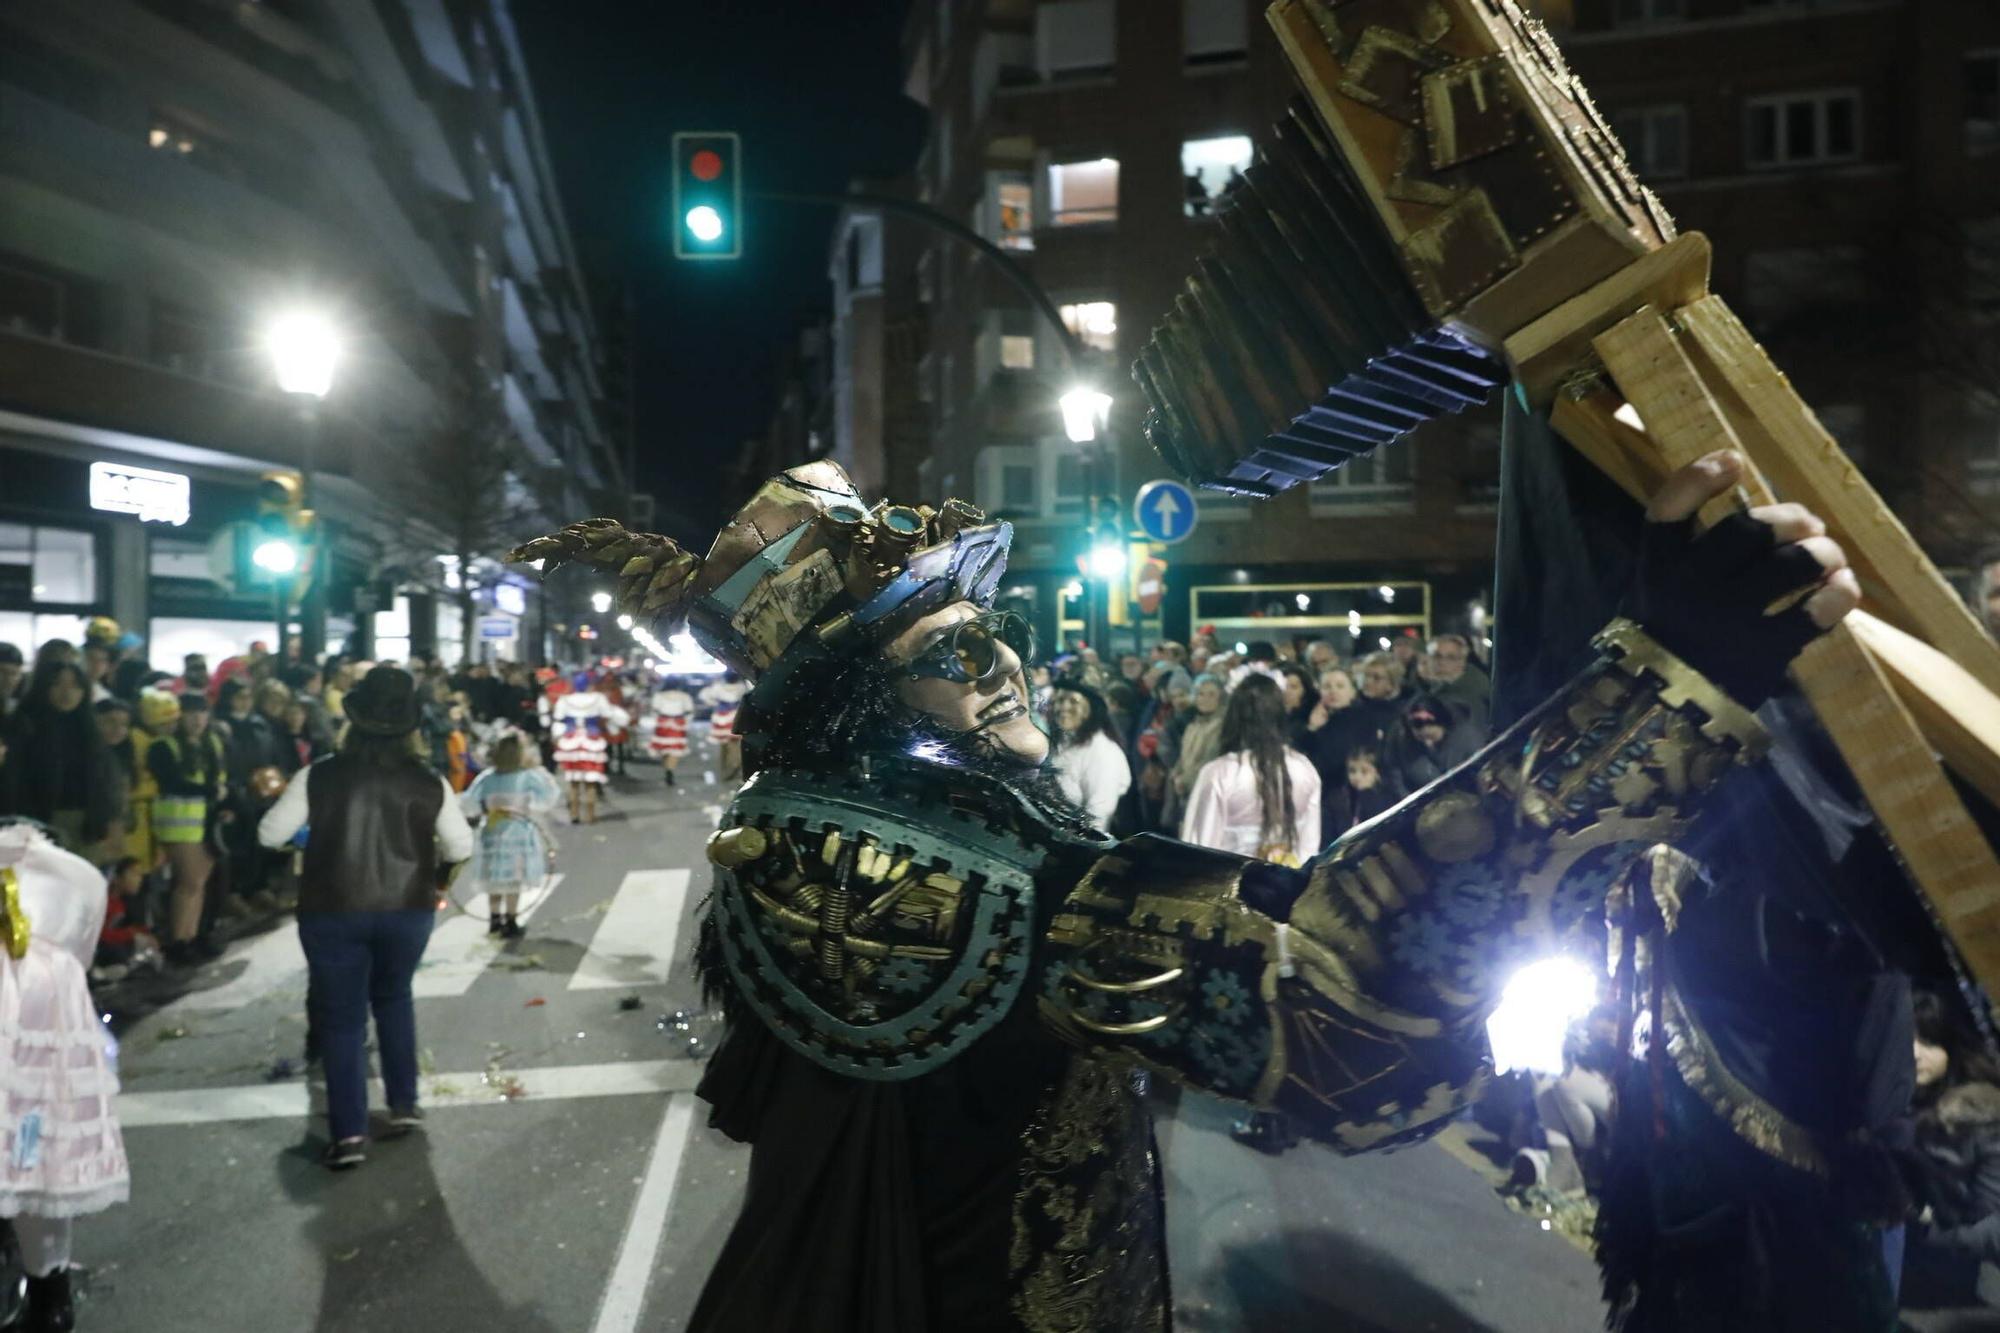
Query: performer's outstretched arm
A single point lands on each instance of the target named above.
(1353, 993)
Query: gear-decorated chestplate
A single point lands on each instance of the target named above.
(879, 921)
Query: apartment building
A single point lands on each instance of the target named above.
(175, 172)
(1839, 154)
(1844, 157)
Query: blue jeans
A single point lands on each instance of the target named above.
(359, 961)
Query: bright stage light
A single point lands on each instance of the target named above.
(1539, 1003)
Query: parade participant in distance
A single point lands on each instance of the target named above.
(673, 707)
(724, 697)
(384, 830)
(583, 721)
(515, 850)
(938, 977)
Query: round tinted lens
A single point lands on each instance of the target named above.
(1018, 634)
(972, 646)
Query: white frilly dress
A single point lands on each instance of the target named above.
(61, 1153)
(584, 723)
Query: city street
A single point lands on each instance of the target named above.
(567, 1182)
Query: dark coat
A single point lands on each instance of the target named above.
(1958, 1177)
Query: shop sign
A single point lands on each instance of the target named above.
(156, 497)
(496, 627)
(511, 598)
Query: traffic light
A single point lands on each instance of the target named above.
(708, 195)
(280, 545)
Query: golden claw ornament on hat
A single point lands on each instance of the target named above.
(806, 566)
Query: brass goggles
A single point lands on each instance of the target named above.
(969, 652)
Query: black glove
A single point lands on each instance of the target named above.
(1704, 597)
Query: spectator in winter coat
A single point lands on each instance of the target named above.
(1362, 793)
(57, 768)
(1957, 1160)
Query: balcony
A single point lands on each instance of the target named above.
(164, 415)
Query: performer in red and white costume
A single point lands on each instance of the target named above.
(673, 707)
(584, 720)
(725, 696)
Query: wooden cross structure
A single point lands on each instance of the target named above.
(1447, 141)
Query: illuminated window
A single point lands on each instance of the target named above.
(1017, 351)
(1210, 166)
(1015, 199)
(1095, 323)
(1082, 192)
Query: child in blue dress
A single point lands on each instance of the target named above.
(515, 848)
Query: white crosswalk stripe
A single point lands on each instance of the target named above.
(293, 1099)
(460, 950)
(634, 945)
(272, 960)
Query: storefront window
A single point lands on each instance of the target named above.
(47, 565)
(28, 631)
(174, 637)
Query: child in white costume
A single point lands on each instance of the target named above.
(61, 1154)
(584, 720)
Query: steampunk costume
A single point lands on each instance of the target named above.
(942, 986)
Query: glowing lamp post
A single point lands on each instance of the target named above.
(1085, 412)
(304, 347)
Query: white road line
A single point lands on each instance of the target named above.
(460, 950)
(625, 1294)
(634, 944)
(273, 959)
(292, 1100)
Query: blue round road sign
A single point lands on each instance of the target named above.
(1164, 511)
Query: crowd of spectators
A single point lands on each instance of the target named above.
(1266, 748)
(160, 780)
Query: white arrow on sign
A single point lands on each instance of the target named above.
(1167, 508)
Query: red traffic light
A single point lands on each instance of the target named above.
(706, 164)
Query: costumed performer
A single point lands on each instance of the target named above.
(583, 721)
(672, 708)
(61, 1153)
(724, 697)
(941, 983)
(515, 849)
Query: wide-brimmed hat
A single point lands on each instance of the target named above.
(384, 703)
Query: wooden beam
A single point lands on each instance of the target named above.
(1591, 425)
(1656, 377)
(1546, 351)
(1806, 464)
(1956, 712)
(1917, 808)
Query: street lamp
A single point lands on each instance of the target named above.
(304, 347)
(304, 350)
(1085, 411)
(275, 556)
(600, 602)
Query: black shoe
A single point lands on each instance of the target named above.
(345, 1154)
(50, 1308)
(181, 953)
(207, 948)
(513, 930)
(495, 925)
(405, 1120)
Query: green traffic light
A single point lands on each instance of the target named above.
(275, 556)
(707, 195)
(705, 223)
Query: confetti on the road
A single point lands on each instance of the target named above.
(535, 1003)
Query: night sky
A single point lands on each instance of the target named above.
(815, 91)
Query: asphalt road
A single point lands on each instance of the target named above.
(567, 1181)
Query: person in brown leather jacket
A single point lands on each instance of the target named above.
(383, 827)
